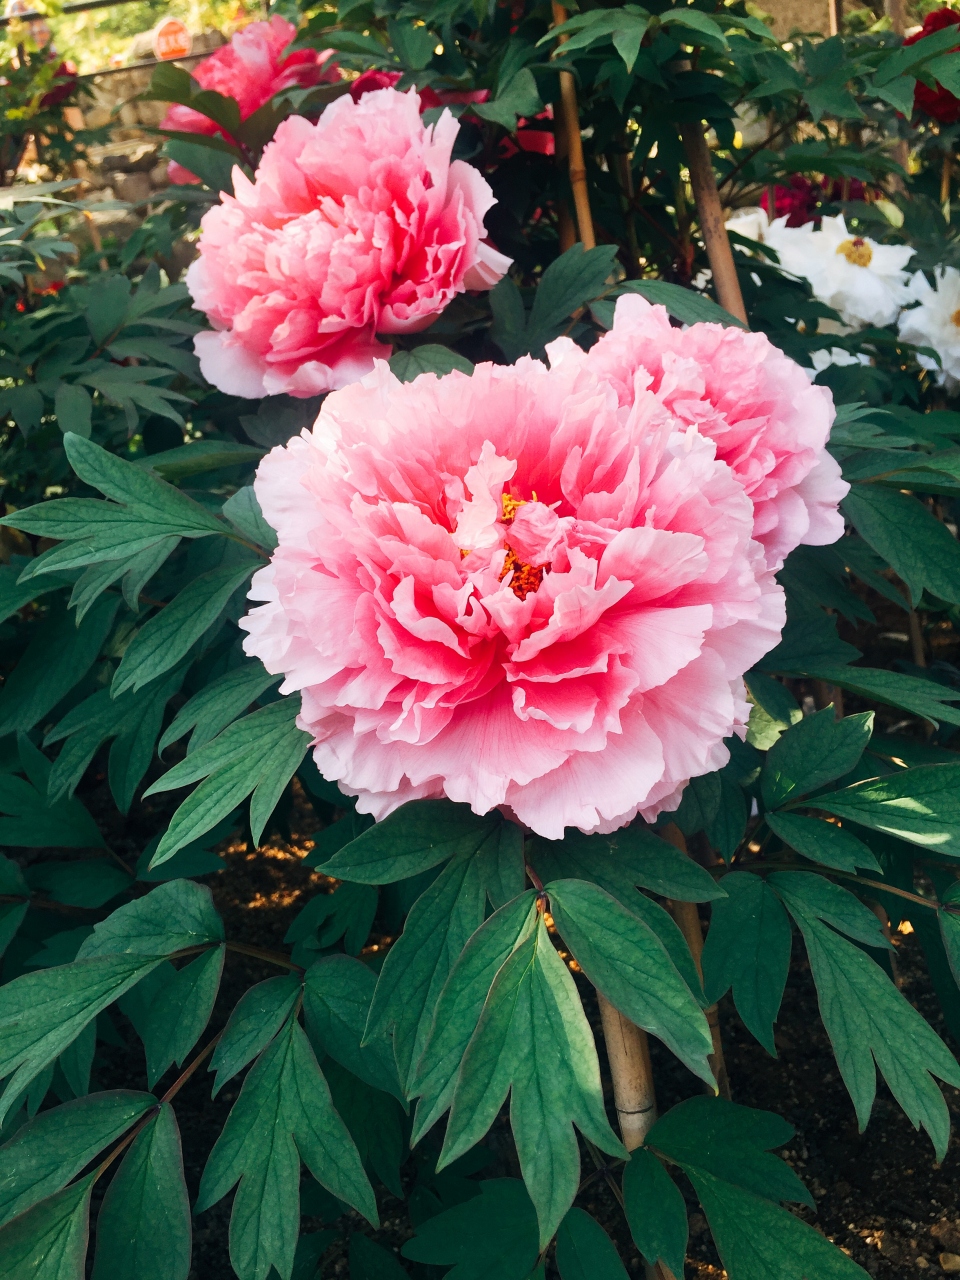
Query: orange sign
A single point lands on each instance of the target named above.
(171, 39)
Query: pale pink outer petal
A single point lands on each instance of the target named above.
(769, 424)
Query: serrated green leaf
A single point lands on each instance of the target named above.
(920, 549)
(34, 823)
(199, 456)
(460, 1004)
(42, 1013)
(166, 637)
(757, 1240)
(91, 882)
(144, 494)
(533, 1040)
(519, 97)
(143, 1228)
(180, 1012)
(822, 842)
(59, 655)
(748, 948)
(369, 1261)
(920, 805)
(811, 894)
(729, 1141)
(243, 512)
(419, 962)
(414, 838)
(172, 917)
(257, 1018)
(258, 754)
(284, 1114)
(585, 1251)
(576, 277)
(54, 1147)
(337, 995)
(813, 751)
(685, 305)
(73, 407)
(629, 858)
(924, 697)
(429, 358)
(625, 960)
(346, 913)
(491, 1237)
(49, 1241)
(869, 1022)
(655, 1211)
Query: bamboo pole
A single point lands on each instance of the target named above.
(894, 11)
(712, 226)
(835, 8)
(570, 116)
(633, 1091)
(688, 921)
(628, 1053)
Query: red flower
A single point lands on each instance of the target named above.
(939, 103)
(798, 201)
(429, 98)
(64, 83)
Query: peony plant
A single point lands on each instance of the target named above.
(497, 554)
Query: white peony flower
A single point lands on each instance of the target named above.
(863, 280)
(825, 357)
(936, 322)
(751, 222)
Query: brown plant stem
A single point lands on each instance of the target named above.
(171, 1093)
(916, 639)
(570, 116)
(688, 921)
(946, 173)
(712, 226)
(824, 694)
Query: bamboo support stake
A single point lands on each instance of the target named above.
(710, 211)
(688, 921)
(894, 11)
(835, 8)
(570, 116)
(946, 173)
(633, 1091)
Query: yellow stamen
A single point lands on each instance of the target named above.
(526, 577)
(956, 318)
(510, 505)
(857, 252)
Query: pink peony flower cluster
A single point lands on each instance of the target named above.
(251, 68)
(538, 588)
(356, 225)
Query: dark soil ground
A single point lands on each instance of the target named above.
(879, 1195)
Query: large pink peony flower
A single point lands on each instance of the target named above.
(768, 423)
(251, 68)
(512, 590)
(356, 225)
